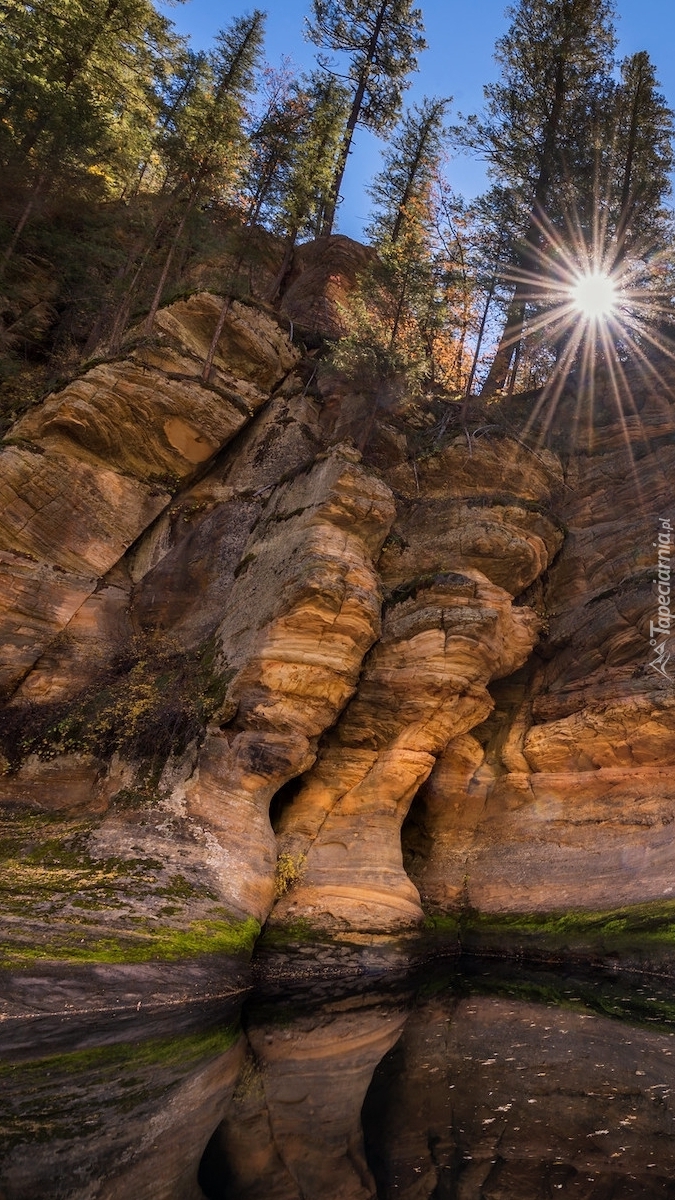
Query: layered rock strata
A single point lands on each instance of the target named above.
(564, 799)
(424, 683)
(226, 521)
(303, 611)
(88, 470)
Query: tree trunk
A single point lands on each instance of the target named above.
(23, 220)
(514, 369)
(511, 335)
(226, 307)
(403, 296)
(286, 266)
(479, 342)
(355, 112)
(156, 300)
(220, 325)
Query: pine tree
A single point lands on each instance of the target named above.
(311, 168)
(205, 151)
(410, 164)
(271, 143)
(643, 153)
(78, 98)
(452, 316)
(402, 229)
(552, 57)
(187, 73)
(382, 39)
(411, 311)
(493, 217)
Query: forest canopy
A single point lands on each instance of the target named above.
(119, 139)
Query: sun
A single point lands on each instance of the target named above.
(594, 296)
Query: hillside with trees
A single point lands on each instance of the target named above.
(137, 169)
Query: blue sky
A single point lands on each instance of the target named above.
(458, 62)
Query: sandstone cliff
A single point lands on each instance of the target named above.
(330, 688)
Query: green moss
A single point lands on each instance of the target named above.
(180, 888)
(278, 936)
(166, 481)
(161, 1052)
(146, 944)
(609, 996)
(628, 930)
(22, 443)
(279, 517)
(45, 858)
(395, 541)
(74, 1095)
(445, 923)
(59, 901)
(148, 704)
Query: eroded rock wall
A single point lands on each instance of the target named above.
(369, 625)
(86, 472)
(302, 612)
(424, 683)
(565, 797)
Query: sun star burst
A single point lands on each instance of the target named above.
(594, 296)
(604, 315)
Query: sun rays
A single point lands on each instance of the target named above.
(598, 310)
(594, 296)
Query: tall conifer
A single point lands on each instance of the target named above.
(205, 154)
(552, 56)
(381, 39)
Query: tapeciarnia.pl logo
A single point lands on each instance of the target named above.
(659, 630)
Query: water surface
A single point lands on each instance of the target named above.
(482, 1082)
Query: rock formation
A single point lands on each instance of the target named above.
(496, 1083)
(432, 658)
(88, 471)
(424, 683)
(293, 1129)
(303, 611)
(564, 799)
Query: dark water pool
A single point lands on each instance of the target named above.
(477, 1082)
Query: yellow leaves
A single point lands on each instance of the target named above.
(289, 871)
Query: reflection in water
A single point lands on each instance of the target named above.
(522, 1100)
(117, 1120)
(294, 1128)
(474, 1087)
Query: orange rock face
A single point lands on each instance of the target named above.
(564, 798)
(88, 469)
(424, 683)
(324, 273)
(449, 651)
(304, 609)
